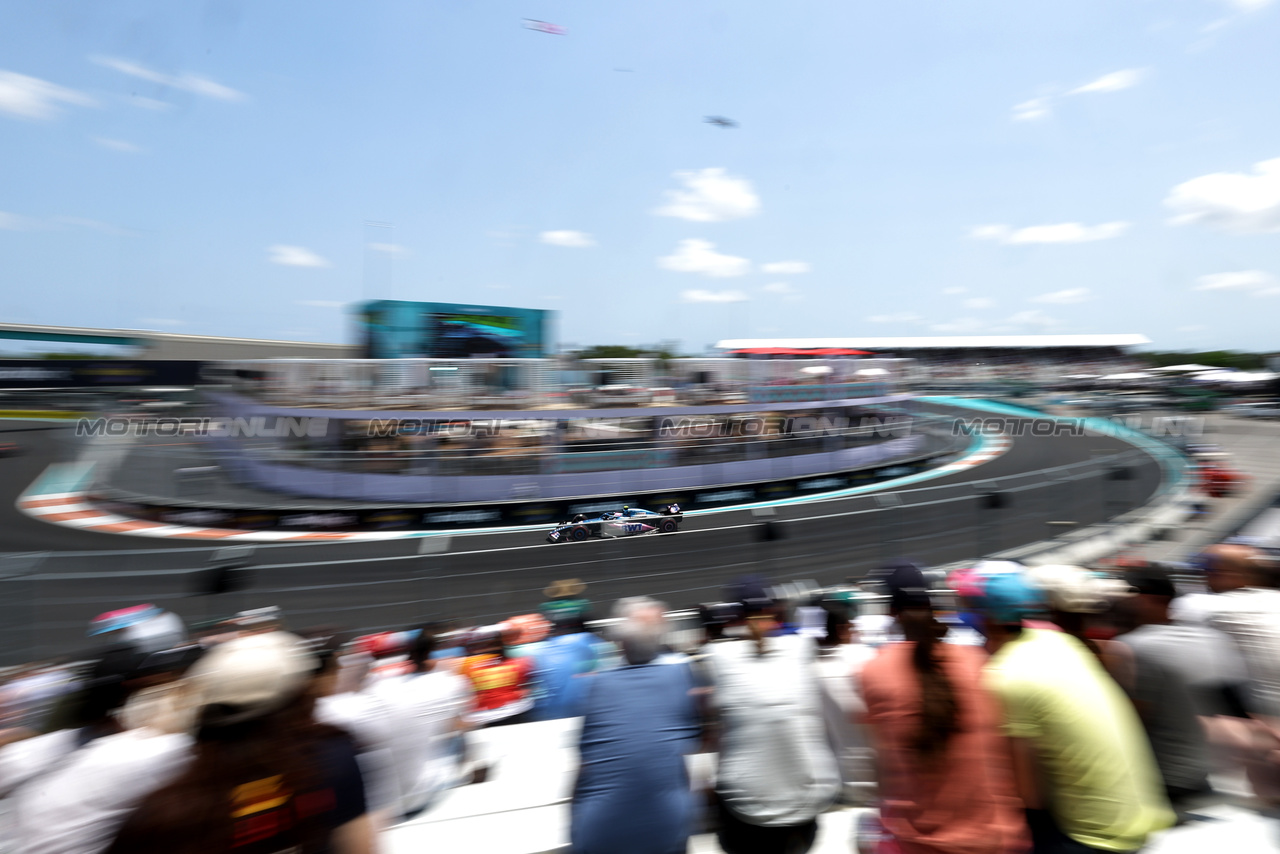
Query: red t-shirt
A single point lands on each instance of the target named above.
(497, 681)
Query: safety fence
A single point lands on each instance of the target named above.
(47, 599)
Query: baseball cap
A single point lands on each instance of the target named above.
(1075, 590)
(906, 585)
(1004, 597)
(750, 592)
(1152, 581)
(114, 621)
(969, 581)
(249, 677)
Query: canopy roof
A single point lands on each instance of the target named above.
(950, 342)
(798, 351)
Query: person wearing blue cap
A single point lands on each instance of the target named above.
(1084, 768)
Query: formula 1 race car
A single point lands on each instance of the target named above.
(627, 522)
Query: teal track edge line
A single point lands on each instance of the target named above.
(1172, 464)
(59, 478)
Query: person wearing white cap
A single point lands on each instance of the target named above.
(265, 776)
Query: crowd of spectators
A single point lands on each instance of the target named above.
(999, 710)
(1044, 369)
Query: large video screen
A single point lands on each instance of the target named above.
(394, 329)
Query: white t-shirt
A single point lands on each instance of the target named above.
(839, 672)
(1251, 616)
(368, 720)
(402, 725)
(69, 801)
(776, 766)
(424, 708)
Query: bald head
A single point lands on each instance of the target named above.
(1232, 566)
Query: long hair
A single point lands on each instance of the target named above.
(240, 788)
(939, 710)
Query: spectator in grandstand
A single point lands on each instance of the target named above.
(1250, 615)
(502, 685)
(1227, 567)
(265, 776)
(1185, 678)
(1073, 596)
(156, 698)
(71, 789)
(427, 709)
(358, 710)
(524, 634)
(946, 779)
(776, 771)
(31, 693)
(632, 795)
(840, 661)
(560, 661)
(1083, 766)
(564, 599)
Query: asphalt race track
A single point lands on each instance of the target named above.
(54, 579)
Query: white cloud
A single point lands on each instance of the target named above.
(984, 232)
(1034, 317)
(710, 195)
(321, 303)
(980, 302)
(117, 145)
(1042, 107)
(903, 317)
(786, 268)
(1032, 111)
(146, 103)
(1113, 82)
(395, 250)
(1066, 232)
(1066, 297)
(700, 256)
(1232, 201)
(1248, 5)
(32, 98)
(193, 83)
(784, 290)
(571, 239)
(955, 290)
(713, 296)
(1255, 282)
(13, 222)
(295, 256)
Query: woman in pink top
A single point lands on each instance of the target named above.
(946, 778)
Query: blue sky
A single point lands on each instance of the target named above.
(908, 168)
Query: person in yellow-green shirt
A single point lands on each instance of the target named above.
(1084, 767)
